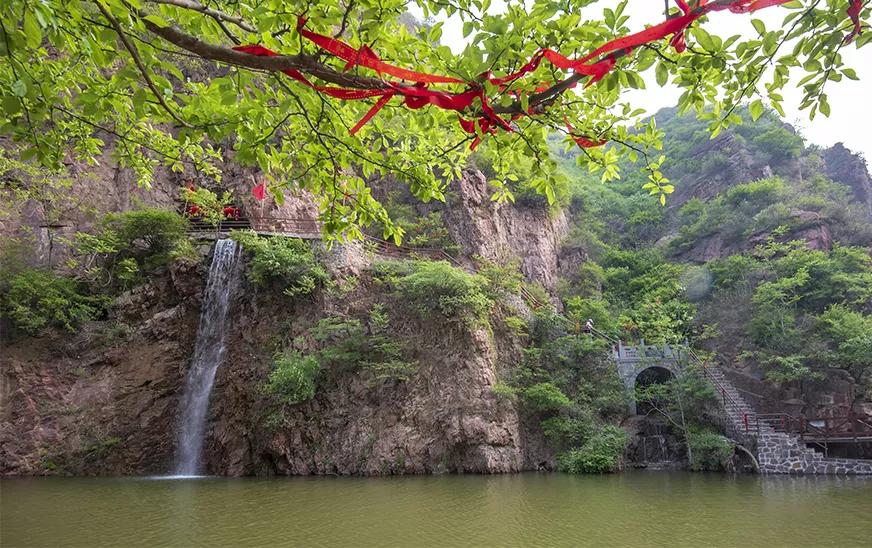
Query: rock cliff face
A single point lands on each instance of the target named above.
(102, 401)
(814, 231)
(849, 168)
(89, 405)
(736, 165)
(500, 231)
(105, 400)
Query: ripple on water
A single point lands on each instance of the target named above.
(651, 509)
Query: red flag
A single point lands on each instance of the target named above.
(259, 191)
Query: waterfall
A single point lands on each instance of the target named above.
(209, 351)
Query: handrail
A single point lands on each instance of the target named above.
(720, 386)
(833, 427)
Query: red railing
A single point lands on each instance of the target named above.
(851, 426)
(727, 398)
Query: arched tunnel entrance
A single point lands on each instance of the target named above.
(646, 378)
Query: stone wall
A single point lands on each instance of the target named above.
(781, 453)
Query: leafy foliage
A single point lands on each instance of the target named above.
(711, 451)
(129, 243)
(293, 378)
(809, 307)
(210, 206)
(772, 206)
(544, 396)
(183, 99)
(601, 453)
(285, 263)
(37, 299)
(569, 383)
(450, 291)
(371, 346)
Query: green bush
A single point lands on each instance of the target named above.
(544, 397)
(38, 299)
(287, 263)
(438, 286)
(711, 451)
(370, 346)
(130, 242)
(148, 234)
(568, 431)
(602, 453)
(293, 378)
(503, 390)
(502, 278)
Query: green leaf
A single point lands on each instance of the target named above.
(759, 26)
(824, 108)
(756, 108)
(32, 31)
(19, 88)
(11, 105)
(157, 20)
(662, 74)
(139, 97)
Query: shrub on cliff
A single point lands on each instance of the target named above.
(286, 263)
(370, 345)
(129, 242)
(438, 286)
(38, 299)
(544, 397)
(153, 231)
(600, 454)
(293, 377)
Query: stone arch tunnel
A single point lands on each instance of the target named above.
(647, 364)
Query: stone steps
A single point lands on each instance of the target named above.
(780, 452)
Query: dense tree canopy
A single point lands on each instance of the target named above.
(159, 82)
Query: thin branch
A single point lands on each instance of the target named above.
(219, 16)
(133, 53)
(348, 7)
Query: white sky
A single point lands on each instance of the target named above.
(851, 100)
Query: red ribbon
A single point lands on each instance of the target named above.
(580, 140)
(419, 95)
(372, 112)
(365, 57)
(259, 191)
(854, 14)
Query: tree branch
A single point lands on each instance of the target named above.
(276, 63)
(219, 16)
(133, 53)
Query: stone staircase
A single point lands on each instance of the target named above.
(777, 452)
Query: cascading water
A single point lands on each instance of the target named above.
(209, 351)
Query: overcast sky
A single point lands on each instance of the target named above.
(851, 101)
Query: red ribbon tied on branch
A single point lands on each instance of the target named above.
(595, 65)
(854, 14)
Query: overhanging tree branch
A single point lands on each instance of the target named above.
(135, 55)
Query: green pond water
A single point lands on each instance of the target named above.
(633, 509)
